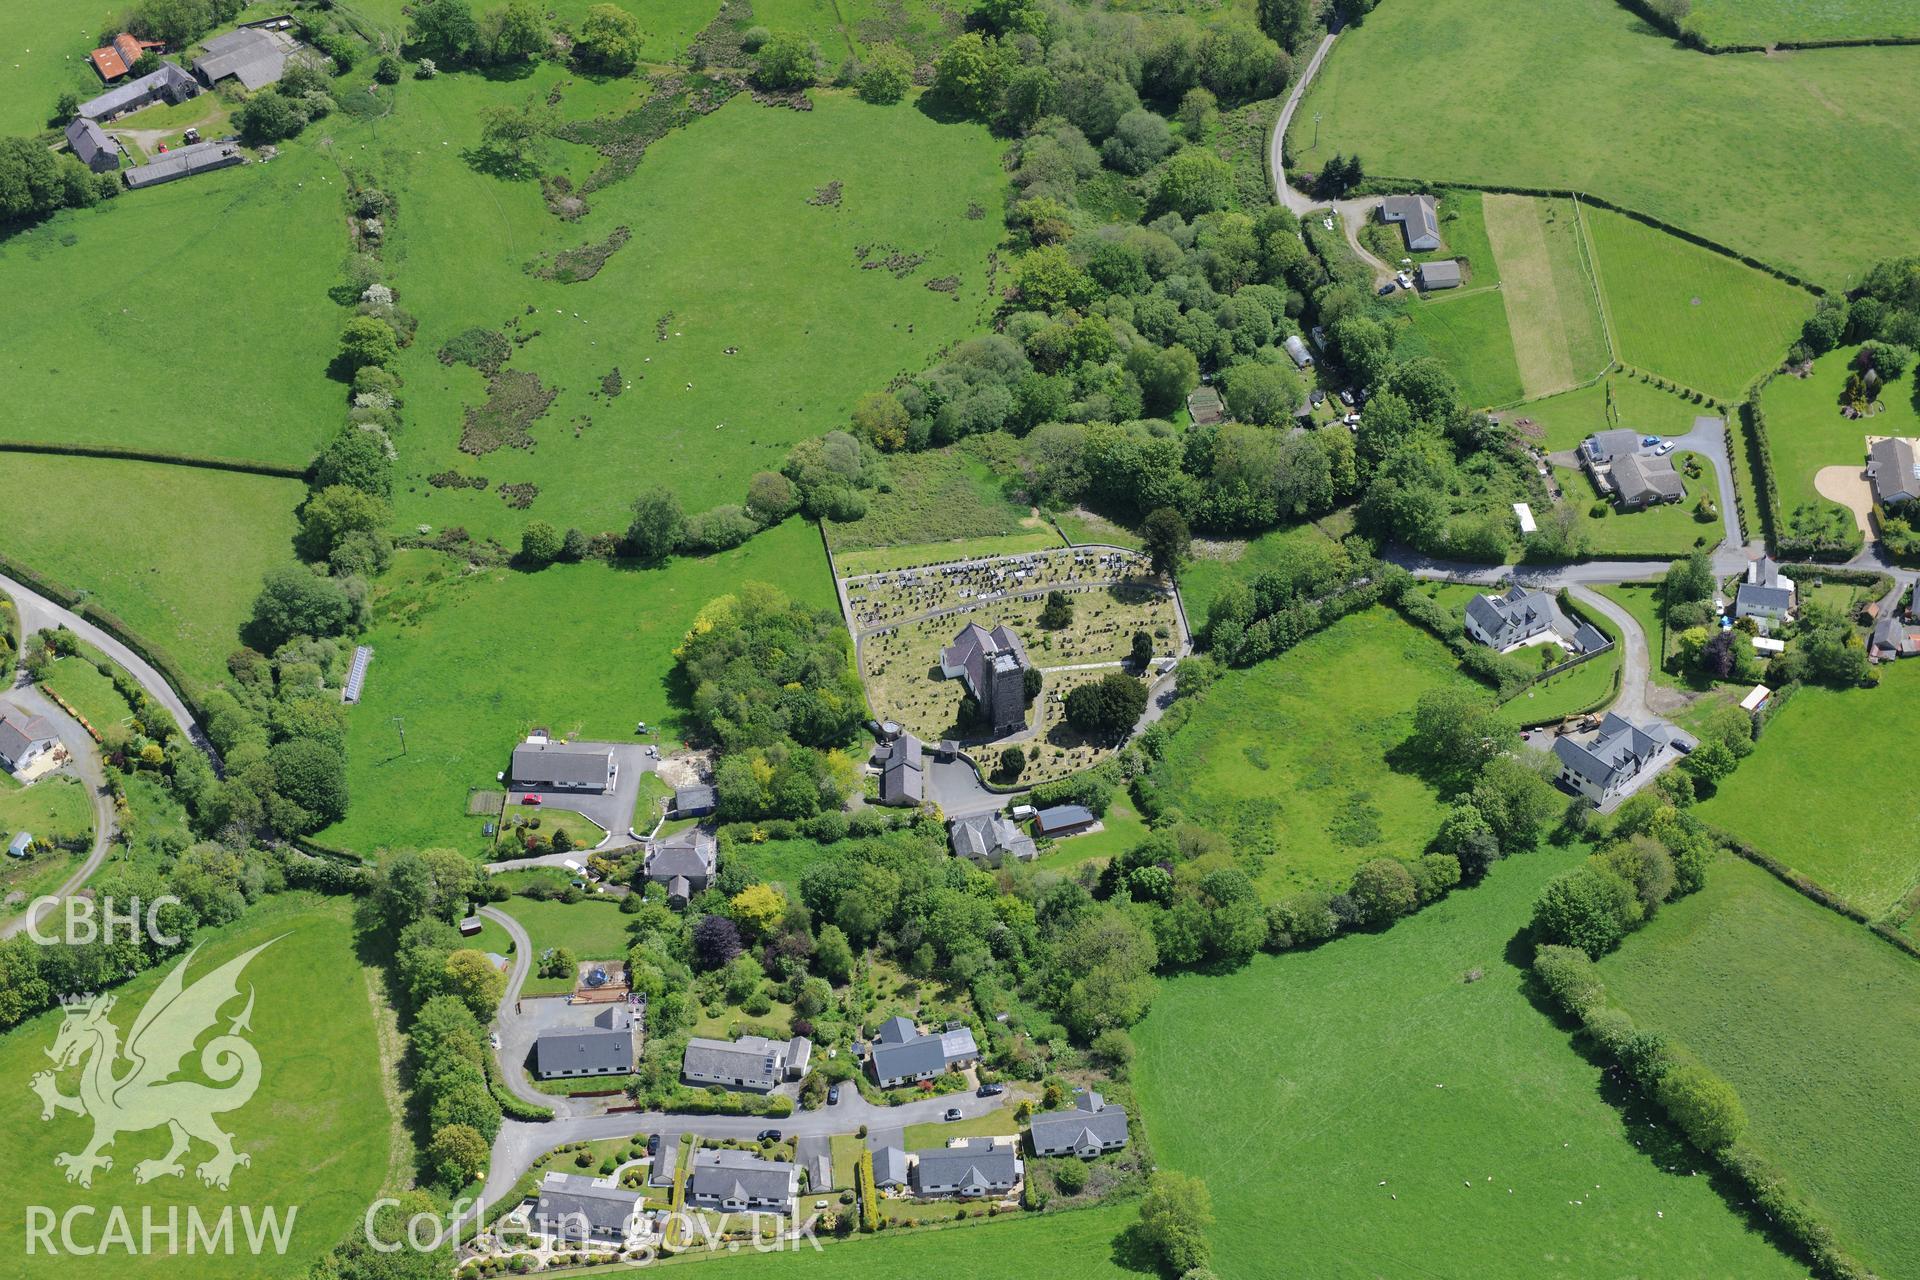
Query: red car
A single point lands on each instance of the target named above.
(529, 799)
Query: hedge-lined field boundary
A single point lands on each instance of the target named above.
(113, 453)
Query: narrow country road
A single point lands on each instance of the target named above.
(1353, 214)
(87, 766)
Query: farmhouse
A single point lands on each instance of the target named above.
(753, 1063)
(1635, 480)
(117, 58)
(583, 1210)
(1894, 468)
(169, 84)
(1418, 217)
(602, 1048)
(1765, 596)
(564, 766)
(1519, 617)
(184, 162)
(739, 1181)
(968, 1168)
(1086, 1129)
(694, 802)
(254, 56)
(994, 666)
(1617, 758)
(1063, 820)
(23, 738)
(901, 1053)
(685, 863)
(92, 147)
(1438, 275)
(989, 839)
(902, 765)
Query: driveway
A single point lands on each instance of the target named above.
(1636, 661)
(613, 810)
(1709, 437)
(517, 1032)
(84, 763)
(1849, 487)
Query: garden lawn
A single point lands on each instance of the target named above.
(210, 296)
(1288, 759)
(733, 336)
(1583, 688)
(1813, 796)
(1468, 333)
(1642, 600)
(1689, 314)
(1664, 529)
(57, 805)
(177, 553)
(1805, 431)
(86, 690)
(1551, 307)
(593, 929)
(1764, 22)
(317, 1131)
(1414, 1123)
(1751, 152)
(938, 1133)
(1815, 1022)
(1567, 419)
(780, 861)
(470, 662)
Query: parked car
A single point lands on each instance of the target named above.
(833, 1095)
(1346, 398)
(769, 1135)
(1315, 397)
(991, 1090)
(530, 800)
(1647, 442)
(1387, 288)
(953, 1113)
(1666, 447)
(653, 1144)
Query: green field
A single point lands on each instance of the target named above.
(578, 648)
(1805, 431)
(1763, 22)
(188, 318)
(317, 1130)
(1810, 791)
(1751, 152)
(1468, 333)
(1815, 1022)
(941, 491)
(88, 691)
(1666, 529)
(1291, 755)
(46, 55)
(780, 861)
(727, 253)
(1299, 1085)
(176, 552)
(1203, 578)
(1042, 537)
(1689, 314)
(1551, 307)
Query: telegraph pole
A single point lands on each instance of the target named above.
(401, 725)
(1316, 132)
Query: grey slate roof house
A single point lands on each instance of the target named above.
(603, 1049)
(1418, 217)
(580, 1210)
(989, 839)
(1063, 820)
(739, 1181)
(1509, 620)
(169, 84)
(969, 1168)
(92, 147)
(753, 1063)
(1765, 595)
(900, 1054)
(1891, 639)
(1602, 447)
(1620, 753)
(994, 666)
(685, 863)
(1443, 274)
(564, 766)
(902, 771)
(184, 162)
(1086, 1129)
(694, 802)
(890, 1171)
(1635, 479)
(23, 739)
(1894, 468)
(254, 57)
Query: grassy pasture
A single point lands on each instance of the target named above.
(1577, 94)
(1371, 1058)
(1811, 795)
(1468, 333)
(852, 564)
(317, 1130)
(1291, 756)
(176, 552)
(1805, 431)
(470, 661)
(1558, 341)
(153, 320)
(1815, 1022)
(1760, 22)
(1690, 314)
(46, 49)
(942, 491)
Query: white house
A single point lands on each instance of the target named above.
(24, 739)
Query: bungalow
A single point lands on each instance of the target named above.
(117, 57)
(1419, 219)
(184, 162)
(989, 839)
(1891, 639)
(581, 1210)
(1635, 480)
(902, 765)
(1296, 348)
(902, 1054)
(1444, 274)
(1617, 758)
(752, 1063)
(169, 84)
(1765, 596)
(92, 147)
(24, 739)
(539, 762)
(1086, 1129)
(739, 1181)
(891, 1170)
(1063, 820)
(967, 1168)
(1894, 468)
(684, 863)
(603, 1048)
(694, 802)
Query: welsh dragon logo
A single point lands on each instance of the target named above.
(131, 1089)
